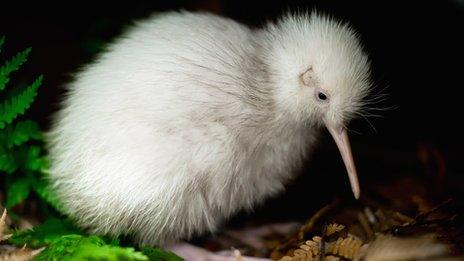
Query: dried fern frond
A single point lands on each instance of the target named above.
(333, 228)
(384, 247)
(307, 251)
(348, 247)
(345, 247)
(331, 258)
(314, 245)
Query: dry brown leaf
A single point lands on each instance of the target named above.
(387, 247)
(238, 256)
(3, 227)
(21, 254)
(14, 254)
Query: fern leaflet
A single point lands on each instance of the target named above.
(2, 41)
(7, 161)
(11, 66)
(19, 133)
(18, 104)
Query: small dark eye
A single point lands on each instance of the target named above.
(322, 96)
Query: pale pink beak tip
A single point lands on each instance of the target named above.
(343, 143)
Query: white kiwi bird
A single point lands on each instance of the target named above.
(188, 118)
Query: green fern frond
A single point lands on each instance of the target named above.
(11, 66)
(46, 193)
(78, 247)
(44, 234)
(63, 241)
(159, 254)
(19, 133)
(29, 158)
(17, 192)
(17, 105)
(7, 161)
(2, 41)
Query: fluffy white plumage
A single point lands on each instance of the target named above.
(190, 117)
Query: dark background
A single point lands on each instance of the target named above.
(416, 50)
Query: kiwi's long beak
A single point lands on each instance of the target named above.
(340, 136)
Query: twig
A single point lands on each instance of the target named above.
(365, 225)
(313, 220)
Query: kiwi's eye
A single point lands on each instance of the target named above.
(321, 96)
